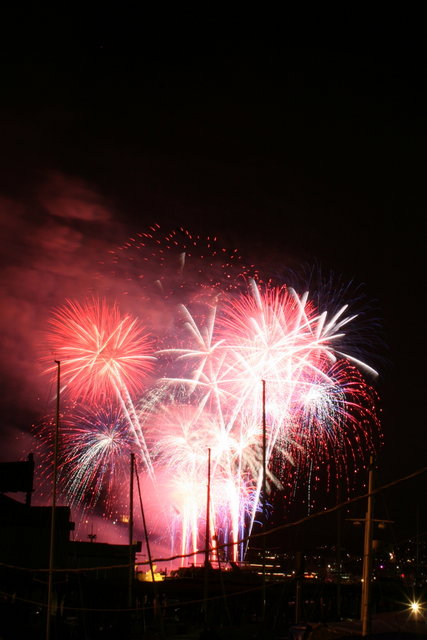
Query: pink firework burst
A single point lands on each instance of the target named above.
(102, 353)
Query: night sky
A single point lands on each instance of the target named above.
(298, 144)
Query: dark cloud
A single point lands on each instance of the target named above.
(73, 199)
(46, 258)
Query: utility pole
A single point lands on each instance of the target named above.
(156, 599)
(52, 519)
(339, 563)
(264, 502)
(131, 559)
(367, 558)
(207, 542)
(369, 520)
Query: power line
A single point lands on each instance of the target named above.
(225, 545)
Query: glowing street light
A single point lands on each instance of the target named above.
(415, 607)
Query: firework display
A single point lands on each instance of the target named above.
(215, 360)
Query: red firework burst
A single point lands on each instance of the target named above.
(101, 352)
